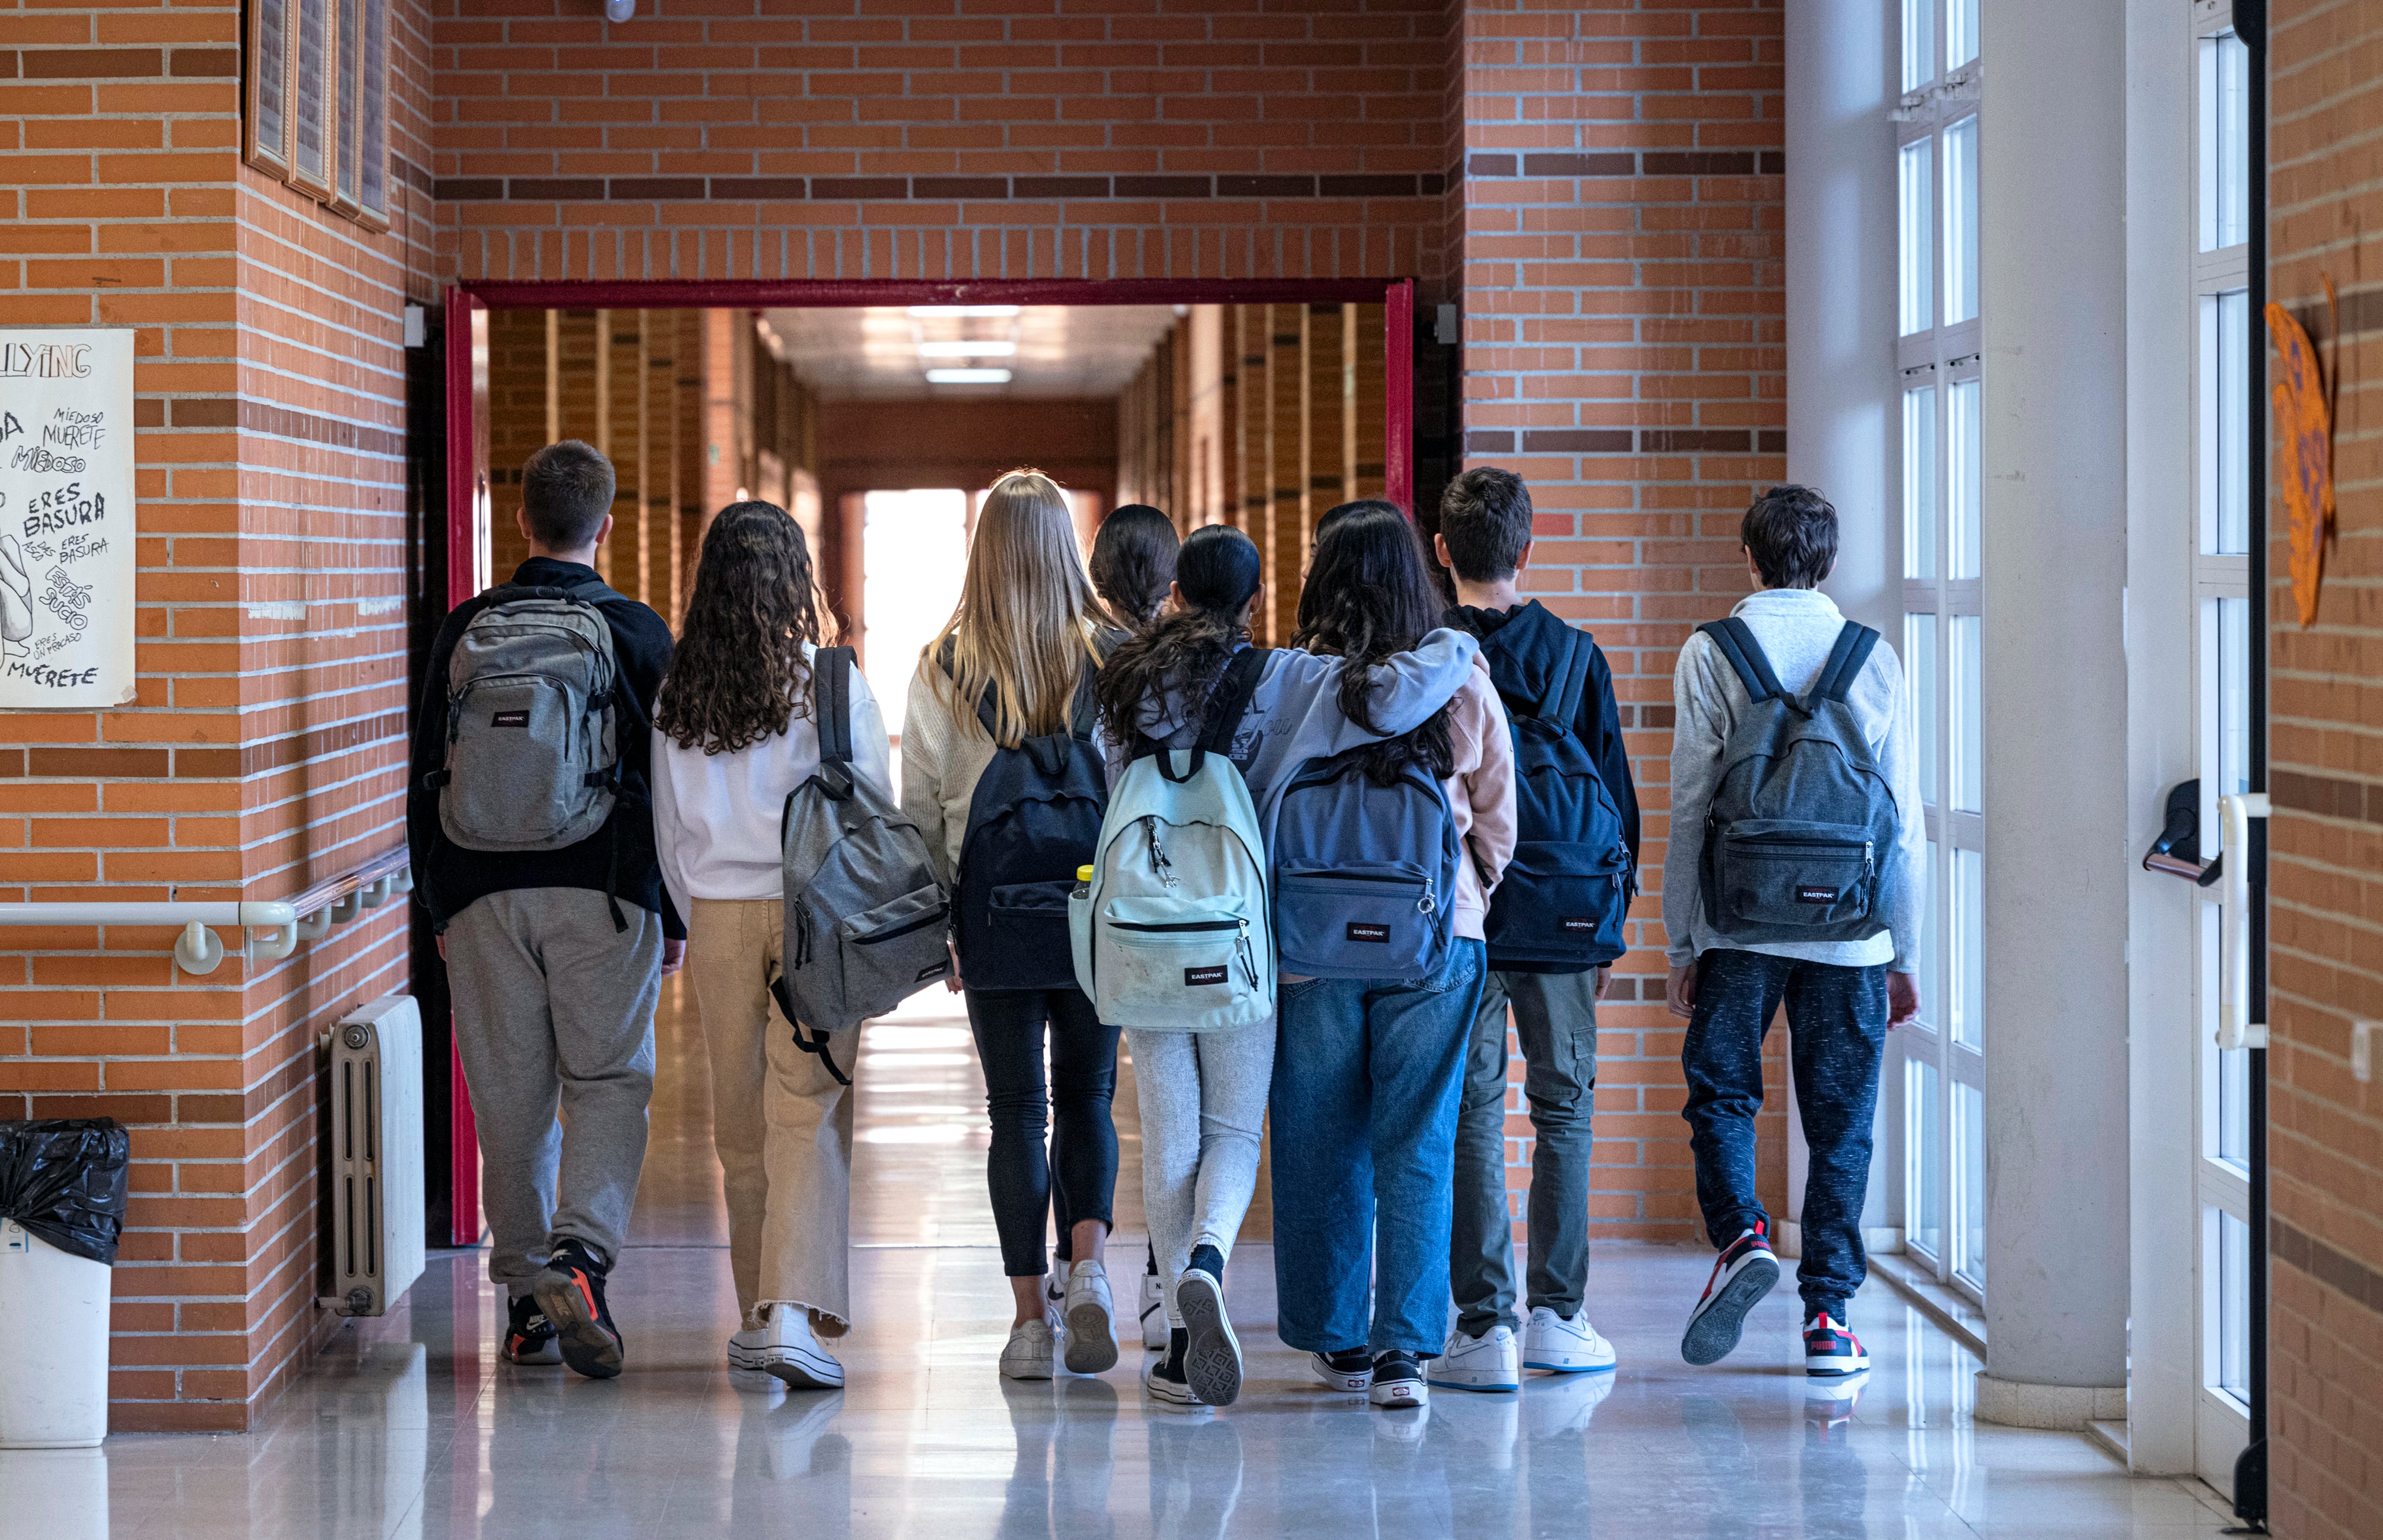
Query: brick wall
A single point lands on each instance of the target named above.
(263, 752)
(2325, 840)
(1619, 228)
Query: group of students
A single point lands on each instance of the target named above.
(1309, 885)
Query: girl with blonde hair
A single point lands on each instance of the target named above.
(1012, 671)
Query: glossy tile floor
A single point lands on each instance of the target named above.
(409, 1427)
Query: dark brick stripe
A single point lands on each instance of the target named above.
(288, 421)
(2336, 1270)
(2326, 795)
(2360, 311)
(589, 189)
(1624, 441)
(157, 764)
(1622, 163)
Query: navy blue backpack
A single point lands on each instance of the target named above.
(1034, 819)
(1364, 875)
(1562, 903)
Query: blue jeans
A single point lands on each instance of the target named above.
(1837, 1023)
(1365, 1081)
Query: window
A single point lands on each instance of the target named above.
(1920, 675)
(1966, 483)
(1918, 255)
(1920, 482)
(318, 100)
(1961, 221)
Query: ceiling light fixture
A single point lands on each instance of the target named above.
(967, 376)
(925, 311)
(967, 349)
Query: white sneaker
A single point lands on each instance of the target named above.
(1090, 1317)
(1153, 1313)
(1564, 1347)
(745, 1350)
(791, 1351)
(1212, 1355)
(1030, 1351)
(1484, 1362)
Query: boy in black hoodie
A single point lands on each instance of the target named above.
(555, 959)
(1485, 541)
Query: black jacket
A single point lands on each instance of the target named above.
(1524, 646)
(447, 877)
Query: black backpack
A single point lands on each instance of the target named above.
(1035, 817)
(1561, 905)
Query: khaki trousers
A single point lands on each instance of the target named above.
(781, 1125)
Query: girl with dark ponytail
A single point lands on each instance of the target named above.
(1203, 1095)
(1133, 563)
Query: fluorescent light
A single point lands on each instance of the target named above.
(967, 349)
(967, 376)
(923, 310)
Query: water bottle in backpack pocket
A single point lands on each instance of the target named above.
(865, 918)
(533, 749)
(1034, 818)
(1566, 889)
(1364, 874)
(1802, 818)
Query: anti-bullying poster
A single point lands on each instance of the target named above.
(65, 518)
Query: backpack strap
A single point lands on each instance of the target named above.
(1227, 705)
(814, 1042)
(832, 715)
(1846, 661)
(1575, 682)
(1735, 639)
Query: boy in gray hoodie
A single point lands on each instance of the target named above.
(1841, 996)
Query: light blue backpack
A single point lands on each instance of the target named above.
(1173, 931)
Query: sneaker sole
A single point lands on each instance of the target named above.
(1400, 1395)
(551, 1353)
(1212, 1359)
(1509, 1387)
(587, 1346)
(1092, 1338)
(1570, 1368)
(1713, 1332)
(799, 1374)
(1172, 1396)
(1834, 1368)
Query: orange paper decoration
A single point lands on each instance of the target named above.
(2304, 453)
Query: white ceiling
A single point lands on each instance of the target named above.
(1058, 350)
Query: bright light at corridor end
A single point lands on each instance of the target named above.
(967, 376)
(924, 311)
(967, 349)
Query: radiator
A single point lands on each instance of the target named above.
(376, 1202)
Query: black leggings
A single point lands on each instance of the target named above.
(1009, 1028)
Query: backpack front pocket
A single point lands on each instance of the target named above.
(1177, 962)
(1379, 921)
(889, 953)
(1023, 945)
(1559, 902)
(1792, 874)
(512, 776)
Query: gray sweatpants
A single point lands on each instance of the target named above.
(554, 1010)
(1204, 1100)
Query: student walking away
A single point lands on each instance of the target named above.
(1133, 567)
(1554, 928)
(1385, 857)
(1000, 771)
(528, 823)
(738, 731)
(1793, 873)
(1202, 732)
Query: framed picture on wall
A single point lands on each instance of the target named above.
(318, 100)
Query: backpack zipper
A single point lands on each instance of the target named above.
(1163, 868)
(1181, 927)
(900, 930)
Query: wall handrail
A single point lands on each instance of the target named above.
(284, 923)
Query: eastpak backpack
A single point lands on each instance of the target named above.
(865, 919)
(533, 737)
(1566, 890)
(1364, 874)
(1173, 930)
(1802, 821)
(1034, 819)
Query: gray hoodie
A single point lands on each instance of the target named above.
(1796, 628)
(1294, 715)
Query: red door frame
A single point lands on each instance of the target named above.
(468, 501)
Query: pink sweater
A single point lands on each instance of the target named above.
(1480, 795)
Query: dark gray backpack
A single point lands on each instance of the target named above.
(865, 918)
(533, 740)
(1802, 822)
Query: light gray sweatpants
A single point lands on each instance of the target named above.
(554, 1010)
(1204, 1100)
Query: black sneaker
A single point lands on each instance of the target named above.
(1742, 1275)
(1165, 1380)
(1831, 1349)
(571, 1292)
(1397, 1381)
(1350, 1370)
(529, 1335)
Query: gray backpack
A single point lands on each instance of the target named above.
(865, 918)
(1803, 819)
(533, 742)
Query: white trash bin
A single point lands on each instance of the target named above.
(53, 1344)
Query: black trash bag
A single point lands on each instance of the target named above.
(66, 1180)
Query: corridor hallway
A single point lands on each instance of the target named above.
(408, 1426)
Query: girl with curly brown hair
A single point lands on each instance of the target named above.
(733, 737)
